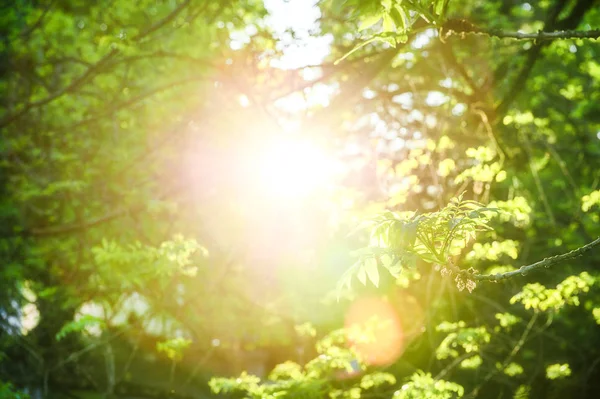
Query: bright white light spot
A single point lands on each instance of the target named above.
(404, 99)
(293, 168)
(598, 135)
(310, 51)
(459, 109)
(251, 30)
(30, 317)
(301, 17)
(318, 95)
(216, 342)
(369, 94)
(238, 39)
(573, 48)
(244, 101)
(526, 6)
(415, 115)
(293, 103)
(297, 15)
(431, 121)
(435, 99)
(392, 87)
(447, 83)
(397, 144)
(311, 73)
(423, 39)
(236, 45)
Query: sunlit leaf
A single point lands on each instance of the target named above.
(369, 21)
(372, 271)
(362, 275)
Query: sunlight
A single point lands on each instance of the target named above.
(292, 168)
(300, 17)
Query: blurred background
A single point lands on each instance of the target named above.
(180, 180)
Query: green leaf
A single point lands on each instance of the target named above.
(362, 276)
(372, 271)
(439, 7)
(401, 38)
(388, 23)
(389, 40)
(399, 17)
(79, 325)
(369, 21)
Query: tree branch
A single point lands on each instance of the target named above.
(89, 73)
(539, 36)
(551, 24)
(25, 35)
(70, 228)
(544, 263)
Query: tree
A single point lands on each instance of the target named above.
(188, 198)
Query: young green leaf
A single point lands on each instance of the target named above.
(372, 271)
(362, 276)
(388, 23)
(369, 20)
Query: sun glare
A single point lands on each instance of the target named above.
(292, 168)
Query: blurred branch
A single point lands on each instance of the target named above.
(74, 227)
(474, 393)
(460, 27)
(25, 35)
(137, 99)
(450, 58)
(537, 180)
(90, 72)
(153, 28)
(544, 263)
(7, 120)
(569, 22)
(109, 358)
(565, 34)
(453, 365)
(69, 228)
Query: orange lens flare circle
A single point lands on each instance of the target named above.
(374, 331)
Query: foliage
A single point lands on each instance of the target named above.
(7, 391)
(315, 379)
(536, 296)
(398, 240)
(179, 180)
(394, 19)
(469, 339)
(423, 385)
(173, 348)
(555, 371)
(77, 326)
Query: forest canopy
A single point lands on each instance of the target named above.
(299, 199)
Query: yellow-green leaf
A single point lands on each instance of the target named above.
(372, 271)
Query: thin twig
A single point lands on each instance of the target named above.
(539, 36)
(545, 263)
(508, 359)
(538, 181)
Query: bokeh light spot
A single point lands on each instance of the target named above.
(382, 339)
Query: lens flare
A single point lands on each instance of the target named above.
(375, 331)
